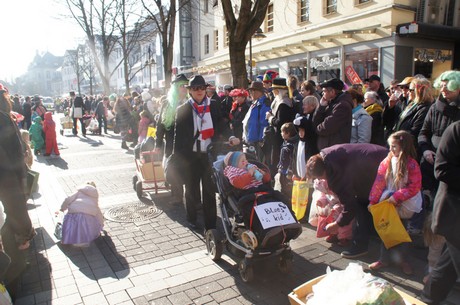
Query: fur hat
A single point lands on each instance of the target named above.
(232, 158)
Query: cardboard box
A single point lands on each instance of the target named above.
(299, 295)
(152, 171)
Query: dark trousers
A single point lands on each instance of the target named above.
(443, 277)
(101, 119)
(83, 127)
(363, 224)
(200, 172)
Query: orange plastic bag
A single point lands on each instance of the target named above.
(388, 224)
(300, 191)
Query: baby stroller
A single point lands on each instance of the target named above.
(258, 223)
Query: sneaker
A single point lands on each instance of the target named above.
(377, 265)
(406, 268)
(333, 239)
(353, 252)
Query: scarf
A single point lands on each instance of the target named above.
(374, 108)
(277, 102)
(202, 118)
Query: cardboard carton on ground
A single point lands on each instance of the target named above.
(299, 295)
(152, 171)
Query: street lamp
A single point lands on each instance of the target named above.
(149, 62)
(258, 34)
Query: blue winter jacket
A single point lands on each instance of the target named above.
(256, 123)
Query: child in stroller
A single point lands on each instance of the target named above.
(258, 221)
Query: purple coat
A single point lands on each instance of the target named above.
(350, 172)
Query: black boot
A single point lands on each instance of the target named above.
(123, 145)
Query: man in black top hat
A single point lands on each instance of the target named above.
(198, 123)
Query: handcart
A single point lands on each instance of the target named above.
(149, 173)
(66, 126)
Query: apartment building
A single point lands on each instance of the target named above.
(348, 39)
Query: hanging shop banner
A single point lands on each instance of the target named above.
(352, 76)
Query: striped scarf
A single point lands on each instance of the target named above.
(203, 119)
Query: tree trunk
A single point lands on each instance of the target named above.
(239, 73)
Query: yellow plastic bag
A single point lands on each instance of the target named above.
(151, 132)
(300, 191)
(388, 224)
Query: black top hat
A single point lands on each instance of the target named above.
(197, 81)
(279, 83)
(180, 78)
(334, 83)
(256, 85)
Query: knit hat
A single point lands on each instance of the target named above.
(269, 76)
(232, 158)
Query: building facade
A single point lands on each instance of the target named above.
(348, 39)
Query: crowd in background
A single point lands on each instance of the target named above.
(292, 127)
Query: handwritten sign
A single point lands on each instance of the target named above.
(274, 214)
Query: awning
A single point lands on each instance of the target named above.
(428, 31)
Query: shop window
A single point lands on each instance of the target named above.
(361, 65)
(358, 2)
(269, 19)
(325, 67)
(432, 62)
(215, 3)
(206, 44)
(330, 7)
(303, 11)
(216, 40)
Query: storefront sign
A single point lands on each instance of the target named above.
(428, 55)
(324, 62)
(352, 76)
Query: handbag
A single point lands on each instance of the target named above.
(388, 224)
(300, 191)
(77, 112)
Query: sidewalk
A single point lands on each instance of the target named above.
(157, 260)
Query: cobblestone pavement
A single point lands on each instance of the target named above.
(158, 260)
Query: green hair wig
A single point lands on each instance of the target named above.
(452, 78)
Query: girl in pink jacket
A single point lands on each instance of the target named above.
(399, 180)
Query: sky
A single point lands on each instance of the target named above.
(28, 26)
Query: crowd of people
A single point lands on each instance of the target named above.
(364, 142)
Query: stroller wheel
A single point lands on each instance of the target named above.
(285, 265)
(214, 244)
(246, 271)
(135, 179)
(139, 189)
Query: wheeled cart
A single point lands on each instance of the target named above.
(149, 173)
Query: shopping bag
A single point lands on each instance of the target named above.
(300, 191)
(77, 112)
(151, 132)
(388, 224)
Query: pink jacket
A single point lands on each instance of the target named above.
(412, 187)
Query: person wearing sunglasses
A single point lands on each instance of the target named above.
(198, 123)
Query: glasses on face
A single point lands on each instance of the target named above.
(199, 88)
(411, 90)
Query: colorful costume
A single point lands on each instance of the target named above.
(49, 128)
(36, 134)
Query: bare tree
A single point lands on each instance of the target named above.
(97, 19)
(240, 30)
(163, 14)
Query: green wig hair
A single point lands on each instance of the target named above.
(169, 114)
(452, 78)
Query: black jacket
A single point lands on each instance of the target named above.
(439, 116)
(446, 210)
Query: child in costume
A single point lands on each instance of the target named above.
(36, 135)
(49, 128)
(84, 221)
